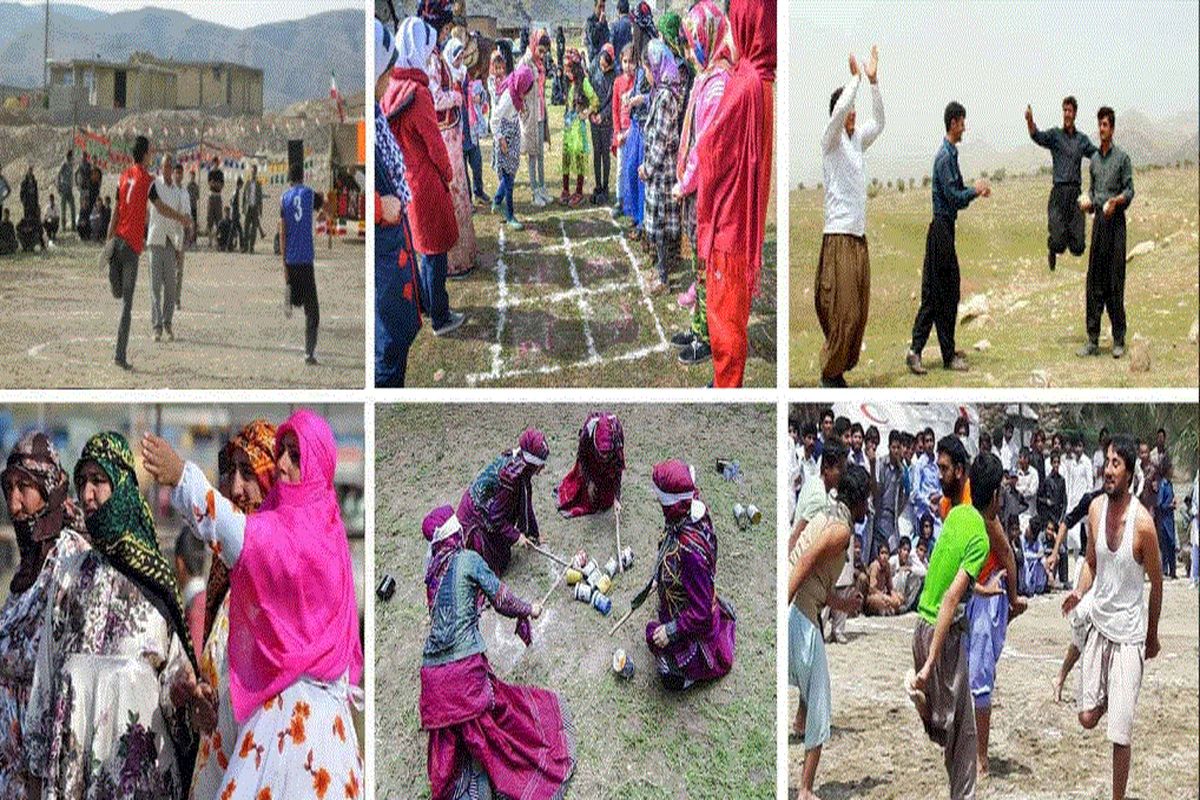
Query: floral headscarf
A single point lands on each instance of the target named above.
(643, 18)
(257, 441)
(122, 530)
(707, 32)
(36, 457)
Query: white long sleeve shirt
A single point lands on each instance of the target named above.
(845, 173)
(163, 229)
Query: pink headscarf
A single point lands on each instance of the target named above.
(292, 608)
(517, 85)
(533, 443)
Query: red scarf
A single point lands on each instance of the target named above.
(735, 153)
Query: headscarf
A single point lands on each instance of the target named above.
(122, 530)
(415, 42)
(453, 49)
(735, 154)
(444, 533)
(517, 84)
(36, 457)
(675, 485)
(534, 449)
(643, 17)
(292, 608)
(668, 26)
(663, 69)
(437, 13)
(385, 50)
(257, 441)
(535, 39)
(707, 31)
(608, 50)
(607, 435)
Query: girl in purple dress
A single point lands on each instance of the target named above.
(692, 638)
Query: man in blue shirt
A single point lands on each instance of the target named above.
(940, 283)
(296, 243)
(1110, 194)
(1067, 147)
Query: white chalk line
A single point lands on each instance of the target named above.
(578, 292)
(562, 248)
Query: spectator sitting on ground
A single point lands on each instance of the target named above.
(908, 574)
(882, 598)
(50, 220)
(8, 235)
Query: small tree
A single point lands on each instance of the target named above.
(925, 181)
(900, 184)
(999, 175)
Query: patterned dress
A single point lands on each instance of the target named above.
(661, 221)
(446, 101)
(216, 748)
(100, 722)
(497, 508)
(300, 743)
(21, 621)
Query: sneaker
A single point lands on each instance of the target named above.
(687, 299)
(513, 225)
(495, 207)
(914, 364)
(958, 364)
(1118, 350)
(683, 338)
(1089, 349)
(457, 318)
(576, 200)
(122, 364)
(564, 198)
(483, 198)
(833, 383)
(695, 353)
(540, 200)
(312, 361)
(157, 335)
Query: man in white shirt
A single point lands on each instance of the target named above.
(843, 287)
(1098, 459)
(1008, 449)
(1077, 473)
(1027, 487)
(165, 238)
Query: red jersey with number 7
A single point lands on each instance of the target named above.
(134, 192)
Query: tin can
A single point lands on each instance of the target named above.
(579, 560)
(584, 592)
(753, 514)
(573, 576)
(601, 603)
(622, 664)
(386, 588)
(603, 583)
(610, 566)
(627, 558)
(740, 516)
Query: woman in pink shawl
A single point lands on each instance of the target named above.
(594, 483)
(486, 737)
(295, 660)
(692, 638)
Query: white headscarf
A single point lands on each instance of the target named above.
(415, 42)
(385, 49)
(451, 51)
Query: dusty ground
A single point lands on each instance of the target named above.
(1035, 318)
(1038, 750)
(565, 302)
(59, 325)
(635, 741)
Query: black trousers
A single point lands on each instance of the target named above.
(1064, 220)
(601, 157)
(303, 284)
(1106, 276)
(940, 290)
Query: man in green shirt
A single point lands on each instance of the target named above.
(938, 683)
(1111, 193)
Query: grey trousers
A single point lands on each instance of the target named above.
(127, 262)
(163, 277)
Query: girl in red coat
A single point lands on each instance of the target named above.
(408, 105)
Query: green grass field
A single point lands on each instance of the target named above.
(1035, 318)
(636, 741)
(574, 309)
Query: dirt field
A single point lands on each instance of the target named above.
(59, 325)
(565, 302)
(1038, 750)
(1029, 321)
(635, 741)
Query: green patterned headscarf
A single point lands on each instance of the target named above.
(669, 27)
(122, 530)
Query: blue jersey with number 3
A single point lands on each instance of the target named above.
(297, 210)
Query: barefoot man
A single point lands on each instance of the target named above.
(817, 562)
(1120, 557)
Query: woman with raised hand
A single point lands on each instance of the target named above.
(295, 659)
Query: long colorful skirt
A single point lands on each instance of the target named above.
(462, 256)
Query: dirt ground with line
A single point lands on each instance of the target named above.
(59, 322)
(634, 740)
(1038, 751)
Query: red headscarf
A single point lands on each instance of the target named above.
(675, 483)
(735, 153)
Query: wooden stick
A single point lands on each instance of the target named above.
(553, 586)
(621, 622)
(620, 561)
(549, 555)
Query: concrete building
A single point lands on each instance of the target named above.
(85, 91)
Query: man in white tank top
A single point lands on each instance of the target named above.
(1121, 554)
